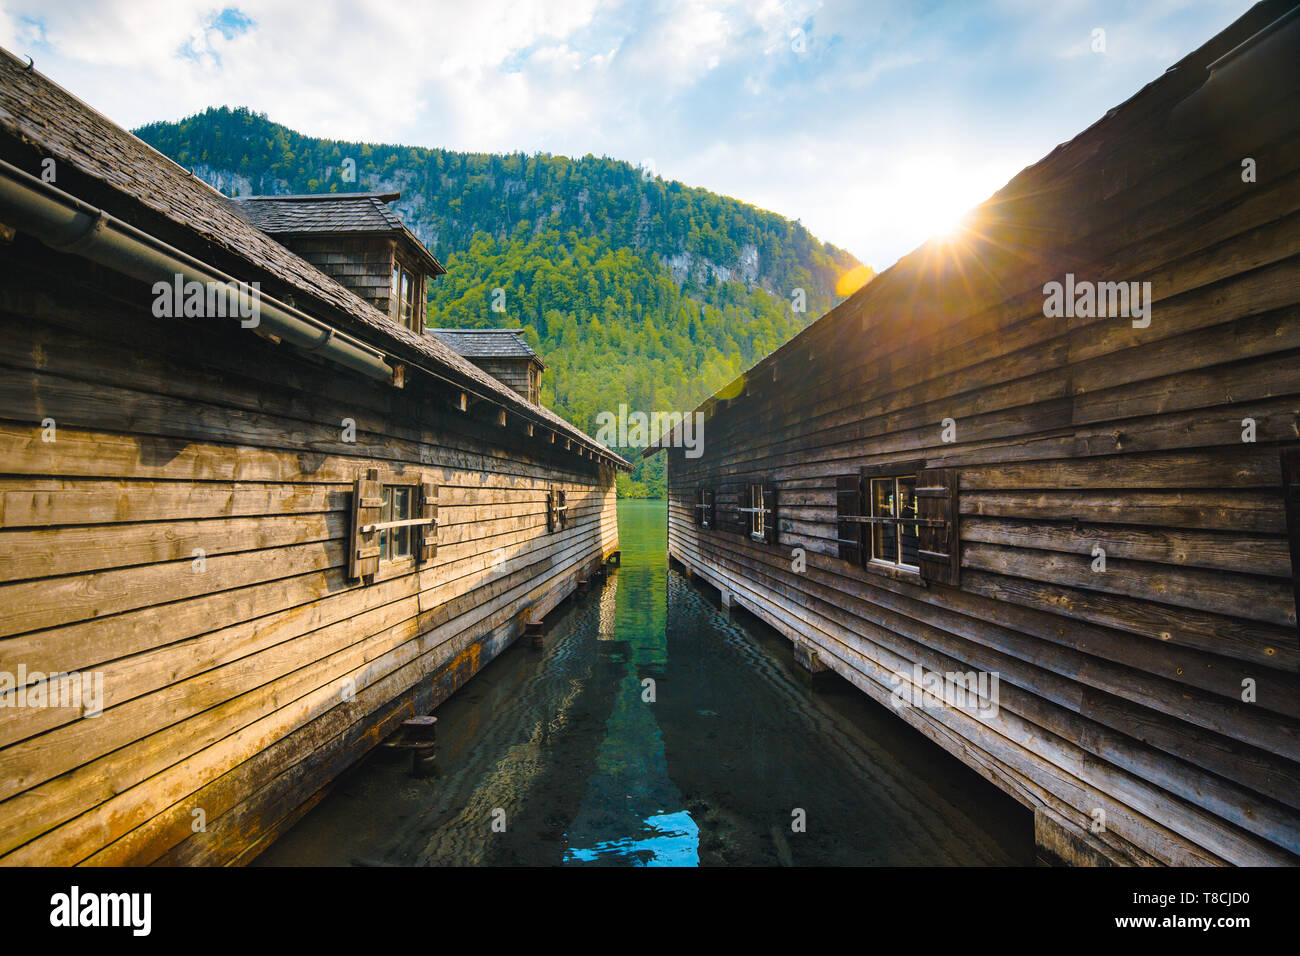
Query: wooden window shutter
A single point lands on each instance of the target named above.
(769, 517)
(1291, 497)
(429, 512)
(699, 506)
(552, 516)
(367, 506)
(707, 509)
(848, 502)
(562, 506)
(938, 537)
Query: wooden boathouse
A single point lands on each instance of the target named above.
(250, 512)
(1059, 449)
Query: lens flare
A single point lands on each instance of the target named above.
(854, 279)
(732, 389)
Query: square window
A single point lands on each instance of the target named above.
(900, 520)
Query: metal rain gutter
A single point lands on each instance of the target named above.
(67, 224)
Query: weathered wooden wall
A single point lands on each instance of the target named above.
(1121, 691)
(362, 263)
(517, 373)
(243, 688)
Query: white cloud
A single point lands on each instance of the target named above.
(888, 121)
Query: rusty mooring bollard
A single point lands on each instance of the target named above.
(419, 735)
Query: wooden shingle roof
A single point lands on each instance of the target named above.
(322, 212)
(487, 343)
(144, 186)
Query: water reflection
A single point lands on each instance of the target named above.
(656, 729)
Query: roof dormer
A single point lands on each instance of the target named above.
(502, 353)
(356, 239)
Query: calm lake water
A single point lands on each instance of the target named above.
(554, 757)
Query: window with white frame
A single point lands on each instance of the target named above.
(403, 305)
(399, 504)
(760, 511)
(895, 531)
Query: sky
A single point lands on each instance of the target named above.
(876, 125)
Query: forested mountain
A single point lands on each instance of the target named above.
(633, 289)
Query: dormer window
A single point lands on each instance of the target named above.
(404, 299)
(356, 239)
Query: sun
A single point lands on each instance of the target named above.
(942, 197)
(945, 214)
(948, 227)
(951, 228)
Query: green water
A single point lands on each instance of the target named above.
(561, 757)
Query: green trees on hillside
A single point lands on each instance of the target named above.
(610, 324)
(633, 290)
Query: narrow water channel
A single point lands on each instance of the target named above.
(557, 757)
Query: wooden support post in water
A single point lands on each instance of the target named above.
(1057, 843)
(807, 658)
(533, 631)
